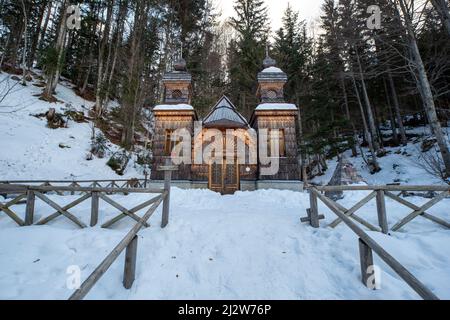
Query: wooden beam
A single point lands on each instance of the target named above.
(129, 273)
(109, 260)
(134, 210)
(94, 209)
(167, 186)
(414, 207)
(67, 207)
(90, 189)
(12, 215)
(29, 213)
(351, 212)
(419, 211)
(308, 219)
(384, 188)
(121, 208)
(366, 260)
(313, 211)
(381, 210)
(61, 210)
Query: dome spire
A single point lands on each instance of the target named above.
(268, 61)
(180, 64)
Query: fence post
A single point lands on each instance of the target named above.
(366, 259)
(29, 213)
(381, 209)
(94, 209)
(166, 203)
(314, 210)
(130, 264)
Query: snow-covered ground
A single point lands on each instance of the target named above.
(247, 246)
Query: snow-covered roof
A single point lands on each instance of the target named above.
(276, 106)
(165, 107)
(224, 113)
(272, 70)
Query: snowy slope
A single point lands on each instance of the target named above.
(30, 151)
(402, 165)
(247, 246)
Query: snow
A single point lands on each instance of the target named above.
(276, 106)
(272, 70)
(30, 150)
(401, 165)
(247, 246)
(164, 107)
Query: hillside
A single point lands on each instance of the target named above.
(32, 151)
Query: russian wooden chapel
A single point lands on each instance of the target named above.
(235, 172)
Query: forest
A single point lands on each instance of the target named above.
(357, 86)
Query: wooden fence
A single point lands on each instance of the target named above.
(26, 192)
(367, 244)
(96, 192)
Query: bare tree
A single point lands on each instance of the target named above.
(25, 46)
(407, 10)
(53, 77)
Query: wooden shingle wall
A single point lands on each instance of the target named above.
(285, 120)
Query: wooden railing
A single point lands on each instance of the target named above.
(95, 192)
(368, 244)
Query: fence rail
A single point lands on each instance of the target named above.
(367, 244)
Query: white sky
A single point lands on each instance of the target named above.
(309, 9)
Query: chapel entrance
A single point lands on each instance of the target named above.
(224, 178)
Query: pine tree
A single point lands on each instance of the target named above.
(293, 50)
(252, 28)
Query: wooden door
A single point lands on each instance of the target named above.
(224, 178)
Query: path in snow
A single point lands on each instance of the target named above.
(247, 246)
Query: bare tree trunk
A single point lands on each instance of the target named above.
(119, 36)
(347, 115)
(367, 133)
(37, 32)
(25, 46)
(396, 106)
(4, 52)
(391, 114)
(442, 8)
(370, 117)
(425, 89)
(46, 22)
(53, 78)
(104, 41)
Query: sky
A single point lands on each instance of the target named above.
(309, 9)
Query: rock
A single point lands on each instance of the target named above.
(428, 144)
(64, 146)
(345, 174)
(16, 78)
